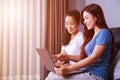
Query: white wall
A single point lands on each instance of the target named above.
(79, 5)
(111, 10)
(76, 4)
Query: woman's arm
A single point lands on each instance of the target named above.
(75, 58)
(64, 56)
(97, 52)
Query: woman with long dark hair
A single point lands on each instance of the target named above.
(72, 40)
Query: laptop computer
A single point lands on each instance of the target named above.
(46, 59)
(49, 63)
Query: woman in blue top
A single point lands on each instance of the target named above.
(96, 51)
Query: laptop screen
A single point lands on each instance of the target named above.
(46, 59)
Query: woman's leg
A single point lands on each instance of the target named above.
(53, 76)
(81, 76)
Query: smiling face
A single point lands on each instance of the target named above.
(89, 20)
(71, 25)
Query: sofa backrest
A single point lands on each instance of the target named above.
(116, 33)
(115, 67)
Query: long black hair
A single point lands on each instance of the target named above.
(67, 36)
(96, 11)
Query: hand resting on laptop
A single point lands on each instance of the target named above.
(62, 59)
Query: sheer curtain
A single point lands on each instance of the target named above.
(21, 31)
